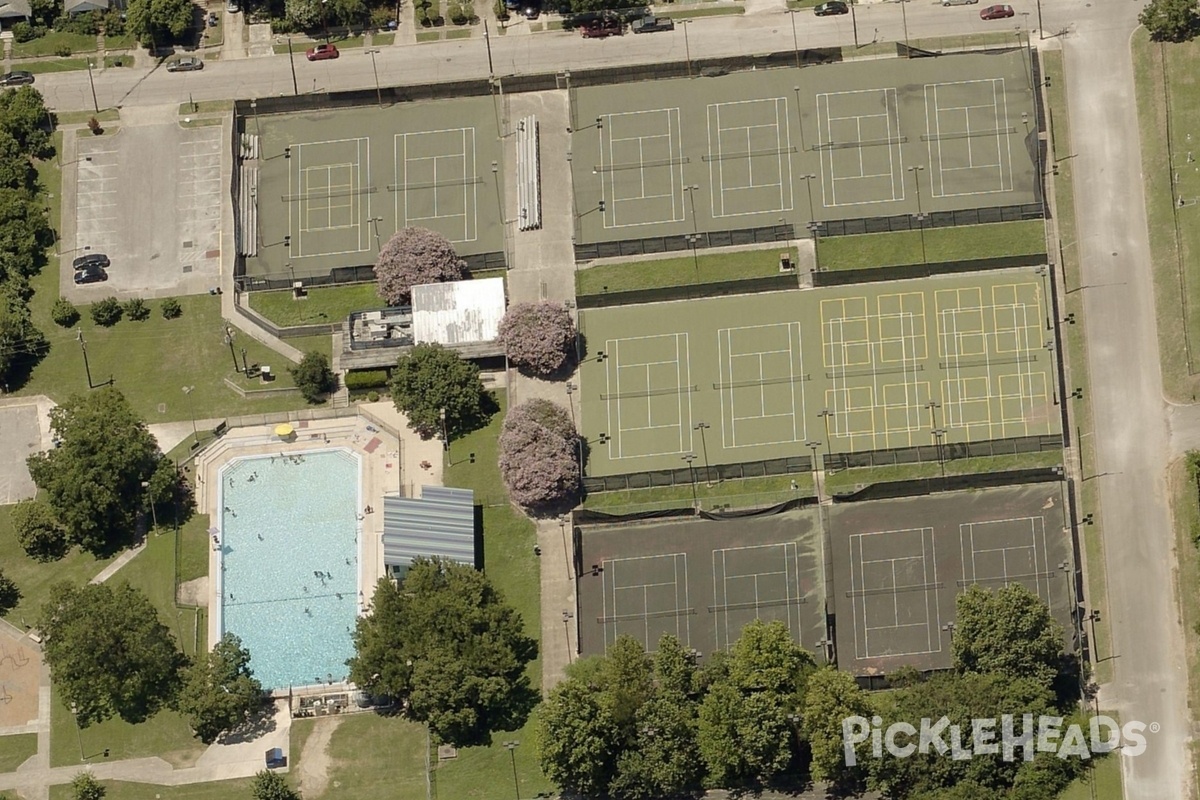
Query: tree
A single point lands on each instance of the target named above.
(85, 787)
(93, 479)
(169, 496)
(38, 531)
(10, 595)
(64, 313)
(109, 654)
(313, 376)
(159, 21)
(577, 739)
(1009, 631)
(430, 378)
(412, 257)
(539, 455)
(584, 6)
(444, 639)
(107, 312)
(271, 786)
(830, 697)
(24, 233)
(16, 172)
(538, 337)
(1170, 20)
(665, 758)
(24, 116)
(220, 691)
(22, 345)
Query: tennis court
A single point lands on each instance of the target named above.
(760, 148)
(937, 361)
(701, 580)
(898, 566)
(328, 200)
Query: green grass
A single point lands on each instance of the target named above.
(794, 4)
(49, 44)
(322, 344)
(16, 750)
(119, 790)
(964, 243)
(125, 41)
(298, 46)
(1103, 783)
(680, 271)
(55, 65)
(81, 117)
(335, 303)
(111, 62)
(382, 39)
(374, 756)
(965, 41)
(205, 107)
(106, 130)
(458, 34)
(1176, 281)
(850, 479)
(203, 122)
(742, 493)
(429, 36)
(715, 11)
(510, 563)
(1077, 363)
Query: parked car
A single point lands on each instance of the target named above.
(651, 23)
(532, 11)
(322, 52)
(996, 12)
(600, 28)
(90, 261)
(18, 78)
(185, 64)
(213, 20)
(959, 2)
(232, 8)
(91, 275)
(831, 9)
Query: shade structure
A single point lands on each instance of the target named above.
(284, 431)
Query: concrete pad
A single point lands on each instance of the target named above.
(26, 425)
(20, 668)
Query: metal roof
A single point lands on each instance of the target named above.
(440, 523)
(458, 312)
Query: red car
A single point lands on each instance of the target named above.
(321, 52)
(996, 12)
(601, 28)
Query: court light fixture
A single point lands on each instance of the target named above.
(287, 152)
(600, 205)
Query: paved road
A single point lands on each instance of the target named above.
(1151, 676)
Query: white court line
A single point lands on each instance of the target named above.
(608, 185)
(928, 558)
(613, 368)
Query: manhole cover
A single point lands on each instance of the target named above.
(187, 268)
(188, 243)
(162, 408)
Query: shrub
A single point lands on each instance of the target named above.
(313, 377)
(460, 13)
(539, 452)
(382, 16)
(63, 50)
(94, 126)
(114, 23)
(107, 312)
(136, 309)
(64, 312)
(422, 15)
(24, 32)
(85, 24)
(171, 308)
(538, 337)
(372, 396)
(361, 379)
(38, 531)
(415, 256)
(500, 10)
(431, 379)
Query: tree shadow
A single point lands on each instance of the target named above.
(256, 725)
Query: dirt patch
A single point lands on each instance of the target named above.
(193, 593)
(20, 670)
(314, 759)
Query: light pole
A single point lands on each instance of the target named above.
(920, 215)
(904, 16)
(949, 628)
(808, 179)
(187, 390)
(292, 61)
(1041, 33)
(854, 23)
(571, 400)
(825, 412)
(445, 432)
(689, 458)
(374, 69)
(937, 435)
(254, 111)
(691, 189)
(153, 510)
(229, 341)
(487, 40)
(375, 223)
(687, 45)
(692, 239)
(813, 445)
(795, 41)
(511, 746)
(567, 616)
(92, 82)
(800, 120)
(702, 427)
(932, 405)
(1045, 273)
(78, 731)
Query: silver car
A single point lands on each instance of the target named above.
(959, 2)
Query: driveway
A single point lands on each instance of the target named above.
(150, 197)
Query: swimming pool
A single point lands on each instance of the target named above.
(289, 563)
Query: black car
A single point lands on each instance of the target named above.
(90, 261)
(532, 11)
(91, 275)
(832, 8)
(18, 78)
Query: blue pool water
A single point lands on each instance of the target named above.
(289, 540)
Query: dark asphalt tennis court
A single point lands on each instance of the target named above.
(701, 580)
(898, 566)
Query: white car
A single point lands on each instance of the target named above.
(232, 8)
(959, 2)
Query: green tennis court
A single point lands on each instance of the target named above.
(737, 379)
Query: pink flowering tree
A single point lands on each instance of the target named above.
(538, 337)
(414, 256)
(539, 451)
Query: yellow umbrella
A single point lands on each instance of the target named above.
(284, 430)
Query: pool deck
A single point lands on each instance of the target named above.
(389, 465)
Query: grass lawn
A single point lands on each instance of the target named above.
(1077, 364)
(298, 46)
(81, 117)
(322, 344)
(15, 750)
(1104, 782)
(1185, 513)
(714, 11)
(382, 39)
(510, 563)
(55, 65)
(679, 271)
(462, 33)
(119, 790)
(744, 493)
(941, 244)
(205, 107)
(49, 45)
(1176, 280)
(349, 41)
(332, 304)
(848, 480)
(125, 41)
(374, 756)
(429, 36)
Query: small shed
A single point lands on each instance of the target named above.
(440, 523)
(458, 312)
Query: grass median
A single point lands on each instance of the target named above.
(738, 493)
(332, 304)
(902, 248)
(654, 273)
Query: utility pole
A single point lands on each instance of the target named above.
(292, 61)
(374, 69)
(95, 102)
(487, 39)
(86, 366)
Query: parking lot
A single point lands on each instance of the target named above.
(26, 425)
(149, 196)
